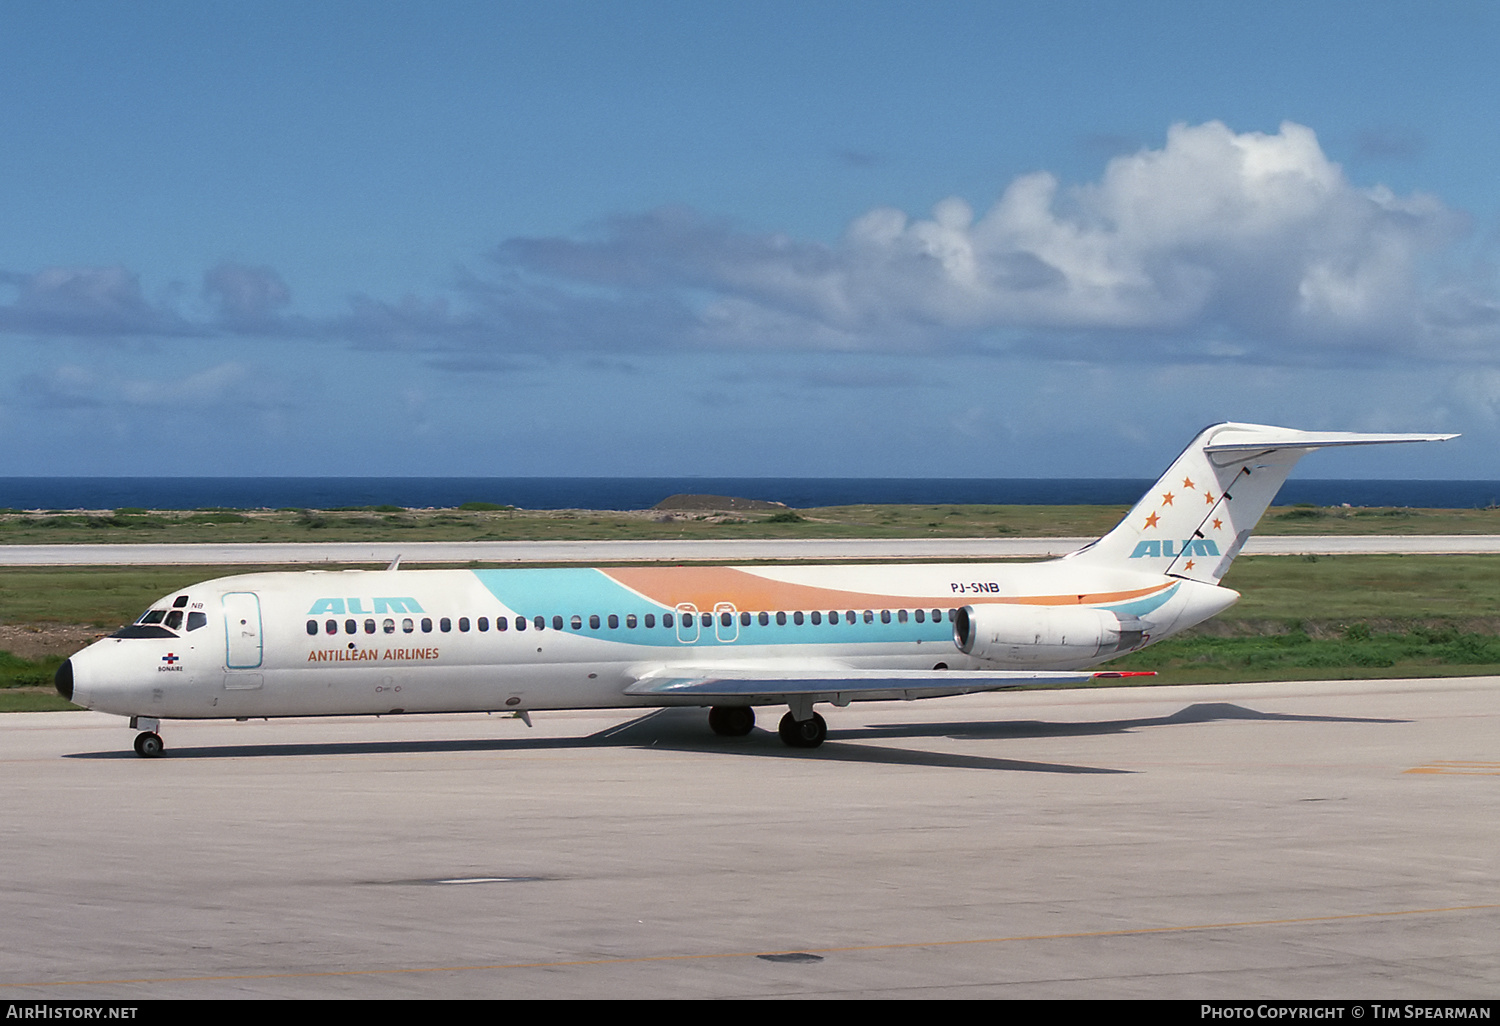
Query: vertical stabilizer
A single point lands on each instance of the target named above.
(1194, 521)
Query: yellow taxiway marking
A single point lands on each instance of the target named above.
(1487, 769)
(1138, 932)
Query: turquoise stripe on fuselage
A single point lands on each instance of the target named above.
(1142, 606)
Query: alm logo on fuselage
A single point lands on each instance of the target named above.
(382, 604)
(1189, 547)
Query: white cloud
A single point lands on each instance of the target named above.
(1254, 238)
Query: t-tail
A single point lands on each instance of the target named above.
(1197, 518)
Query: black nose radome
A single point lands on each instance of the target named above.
(64, 679)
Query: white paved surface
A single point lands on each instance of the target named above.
(1265, 841)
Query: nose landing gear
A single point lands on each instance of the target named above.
(148, 744)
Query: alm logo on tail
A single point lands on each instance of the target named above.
(1189, 547)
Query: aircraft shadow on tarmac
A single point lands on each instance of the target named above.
(684, 730)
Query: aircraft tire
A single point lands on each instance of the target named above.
(803, 733)
(148, 745)
(731, 720)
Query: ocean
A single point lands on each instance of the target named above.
(44, 493)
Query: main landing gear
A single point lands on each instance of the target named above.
(808, 733)
(739, 720)
(731, 720)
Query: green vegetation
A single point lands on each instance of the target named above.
(486, 521)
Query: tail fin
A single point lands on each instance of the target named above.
(1194, 521)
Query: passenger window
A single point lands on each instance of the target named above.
(744, 619)
(901, 616)
(483, 624)
(614, 622)
(666, 619)
(332, 626)
(817, 617)
(407, 626)
(781, 619)
(539, 622)
(463, 624)
(350, 627)
(920, 617)
(869, 616)
(389, 626)
(630, 621)
(593, 621)
(797, 618)
(557, 623)
(520, 623)
(576, 623)
(445, 625)
(369, 626)
(885, 616)
(426, 625)
(312, 627)
(763, 619)
(726, 620)
(833, 616)
(501, 623)
(708, 620)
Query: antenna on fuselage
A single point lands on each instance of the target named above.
(395, 564)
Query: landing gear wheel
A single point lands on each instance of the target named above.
(731, 720)
(148, 745)
(803, 733)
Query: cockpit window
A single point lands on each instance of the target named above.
(152, 616)
(174, 619)
(180, 602)
(196, 620)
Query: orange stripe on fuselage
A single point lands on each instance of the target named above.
(706, 586)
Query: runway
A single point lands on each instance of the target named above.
(1274, 841)
(590, 552)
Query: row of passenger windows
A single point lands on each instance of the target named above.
(613, 620)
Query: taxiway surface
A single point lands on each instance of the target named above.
(1319, 840)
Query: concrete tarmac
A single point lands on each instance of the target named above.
(1268, 841)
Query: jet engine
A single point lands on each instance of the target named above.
(1044, 636)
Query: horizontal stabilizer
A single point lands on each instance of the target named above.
(1267, 438)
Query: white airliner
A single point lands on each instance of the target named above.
(321, 643)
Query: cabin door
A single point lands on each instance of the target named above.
(242, 641)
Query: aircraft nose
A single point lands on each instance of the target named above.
(63, 680)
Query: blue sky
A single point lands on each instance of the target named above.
(848, 239)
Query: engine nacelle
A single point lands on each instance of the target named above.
(1044, 636)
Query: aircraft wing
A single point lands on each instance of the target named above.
(851, 684)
